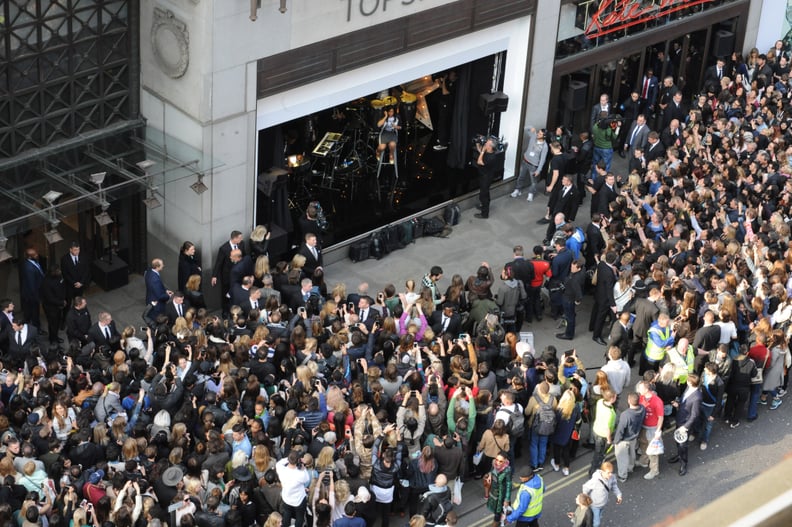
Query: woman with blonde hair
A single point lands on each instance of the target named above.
(325, 461)
(274, 520)
(259, 243)
(193, 293)
(129, 450)
(298, 262)
(567, 413)
(129, 340)
(262, 268)
(262, 461)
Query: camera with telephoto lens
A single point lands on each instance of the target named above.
(499, 145)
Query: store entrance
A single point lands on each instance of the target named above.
(684, 58)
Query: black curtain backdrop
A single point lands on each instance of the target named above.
(460, 135)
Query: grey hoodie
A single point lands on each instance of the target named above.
(510, 294)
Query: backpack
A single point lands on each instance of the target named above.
(545, 419)
(444, 506)
(376, 246)
(433, 226)
(516, 425)
(452, 213)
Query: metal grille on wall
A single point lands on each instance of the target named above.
(64, 70)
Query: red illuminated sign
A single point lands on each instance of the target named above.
(615, 15)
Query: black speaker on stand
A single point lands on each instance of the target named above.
(723, 43)
(576, 95)
(492, 104)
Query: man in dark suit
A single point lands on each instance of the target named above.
(446, 320)
(636, 135)
(78, 321)
(665, 96)
(566, 202)
(31, 277)
(654, 147)
(603, 296)
(646, 311)
(313, 254)
(714, 74)
(76, 272)
(676, 109)
(222, 268)
(252, 302)
(620, 335)
(688, 411)
(156, 293)
(104, 331)
(602, 106)
(671, 136)
(366, 314)
(21, 339)
(648, 90)
(595, 242)
(240, 293)
(605, 192)
(6, 317)
(241, 267)
(53, 299)
(177, 307)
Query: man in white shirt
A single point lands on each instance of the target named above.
(294, 480)
(617, 370)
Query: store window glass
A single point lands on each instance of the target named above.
(588, 24)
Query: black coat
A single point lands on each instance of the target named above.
(188, 266)
(75, 273)
(78, 323)
(223, 264)
(97, 336)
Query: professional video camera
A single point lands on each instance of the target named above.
(613, 120)
(499, 144)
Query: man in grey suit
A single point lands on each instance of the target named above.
(637, 136)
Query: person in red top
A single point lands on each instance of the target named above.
(760, 354)
(652, 428)
(92, 490)
(541, 270)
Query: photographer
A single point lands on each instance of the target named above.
(486, 165)
(604, 133)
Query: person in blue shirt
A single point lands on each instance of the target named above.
(527, 507)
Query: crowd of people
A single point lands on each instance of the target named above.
(307, 402)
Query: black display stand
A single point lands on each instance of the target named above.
(110, 275)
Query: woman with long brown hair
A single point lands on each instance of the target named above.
(493, 441)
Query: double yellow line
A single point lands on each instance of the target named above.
(581, 473)
(577, 475)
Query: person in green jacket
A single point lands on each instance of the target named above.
(603, 427)
(498, 487)
(604, 133)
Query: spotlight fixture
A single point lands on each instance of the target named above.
(254, 5)
(98, 178)
(151, 201)
(145, 164)
(52, 235)
(282, 8)
(199, 187)
(4, 254)
(103, 218)
(52, 196)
